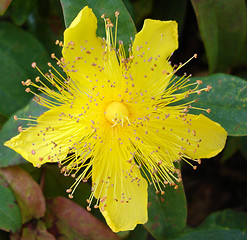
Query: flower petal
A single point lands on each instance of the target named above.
(152, 46)
(121, 189)
(84, 53)
(51, 139)
(211, 137)
(195, 136)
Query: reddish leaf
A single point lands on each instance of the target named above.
(27, 192)
(67, 220)
(4, 4)
(35, 230)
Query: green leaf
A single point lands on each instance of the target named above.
(126, 27)
(66, 218)
(18, 49)
(10, 215)
(214, 234)
(226, 219)
(8, 157)
(20, 10)
(227, 101)
(28, 194)
(55, 184)
(139, 233)
(222, 24)
(166, 213)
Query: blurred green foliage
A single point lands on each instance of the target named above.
(217, 31)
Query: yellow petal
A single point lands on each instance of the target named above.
(152, 46)
(50, 139)
(195, 136)
(85, 54)
(121, 188)
(211, 136)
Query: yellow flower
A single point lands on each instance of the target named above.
(118, 119)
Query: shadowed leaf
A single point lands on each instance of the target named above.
(67, 220)
(10, 214)
(166, 213)
(222, 25)
(27, 192)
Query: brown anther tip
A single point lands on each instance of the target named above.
(199, 82)
(176, 187)
(15, 117)
(49, 64)
(28, 82)
(69, 190)
(157, 192)
(20, 129)
(162, 192)
(195, 55)
(27, 90)
(116, 13)
(53, 55)
(34, 64)
(71, 196)
(208, 110)
(88, 208)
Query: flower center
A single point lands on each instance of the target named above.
(116, 112)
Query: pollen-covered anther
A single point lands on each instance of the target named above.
(34, 64)
(88, 208)
(53, 55)
(49, 64)
(70, 196)
(69, 190)
(20, 129)
(27, 90)
(208, 110)
(194, 167)
(199, 82)
(116, 13)
(16, 118)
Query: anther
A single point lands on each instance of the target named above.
(69, 190)
(57, 42)
(71, 196)
(116, 13)
(199, 82)
(20, 129)
(53, 55)
(27, 90)
(208, 110)
(49, 64)
(15, 117)
(103, 16)
(195, 55)
(34, 64)
(88, 208)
